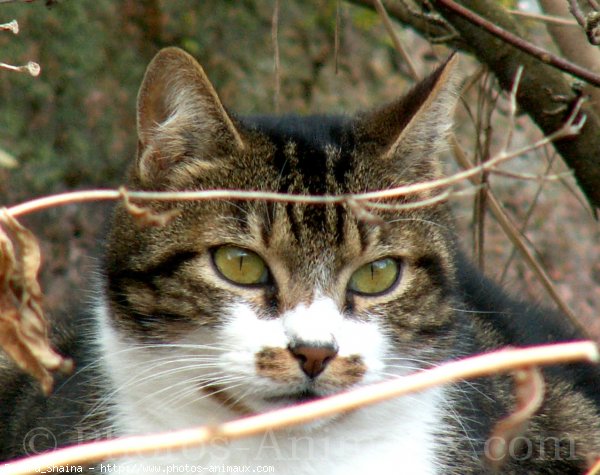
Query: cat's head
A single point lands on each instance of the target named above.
(284, 301)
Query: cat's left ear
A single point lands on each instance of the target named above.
(415, 128)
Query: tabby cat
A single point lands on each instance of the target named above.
(239, 307)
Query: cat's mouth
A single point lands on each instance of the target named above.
(293, 398)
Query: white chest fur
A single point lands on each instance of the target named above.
(394, 437)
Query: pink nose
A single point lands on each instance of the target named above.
(313, 359)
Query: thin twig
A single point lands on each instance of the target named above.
(512, 233)
(589, 22)
(482, 365)
(277, 65)
(512, 115)
(421, 203)
(430, 16)
(397, 44)
(571, 127)
(525, 221)
(576, 11)
(557, 20)
(486, 103)
(430, 25)
(595, 470)
(523, 45)
(532, 177)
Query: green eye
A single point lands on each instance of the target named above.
(240, 266)
(375, 277)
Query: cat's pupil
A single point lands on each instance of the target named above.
(375, 277)
(240, 266)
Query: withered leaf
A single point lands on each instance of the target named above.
(23, 326)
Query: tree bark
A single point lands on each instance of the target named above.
(573, 44)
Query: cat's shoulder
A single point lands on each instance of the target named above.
(504, 320)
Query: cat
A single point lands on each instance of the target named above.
(240, 307)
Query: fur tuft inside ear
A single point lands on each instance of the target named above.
(179, 118)
(415, 128)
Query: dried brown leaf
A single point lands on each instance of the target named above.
(23, 326)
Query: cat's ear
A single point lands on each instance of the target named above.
(180, 118)
(415, 128)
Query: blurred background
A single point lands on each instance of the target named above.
(73, 126)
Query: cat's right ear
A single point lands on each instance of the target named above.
(182, 124)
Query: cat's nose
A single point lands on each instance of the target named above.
(313, 358)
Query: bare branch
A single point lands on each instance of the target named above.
(482, 365)
(577, 13)
(397, 44)
(431, 26)
(573, 45)
(525, 46)
(512, 109)
(595, 469)
(551, 19)
(590, 22)
(530, 177)
(525, 221)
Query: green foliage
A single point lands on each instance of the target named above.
(64, 125)
(74, 125)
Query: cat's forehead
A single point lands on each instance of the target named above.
(307, 155)
(304, 155)
(297, 155)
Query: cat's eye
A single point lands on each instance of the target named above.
(241, 266)
(375, 277)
